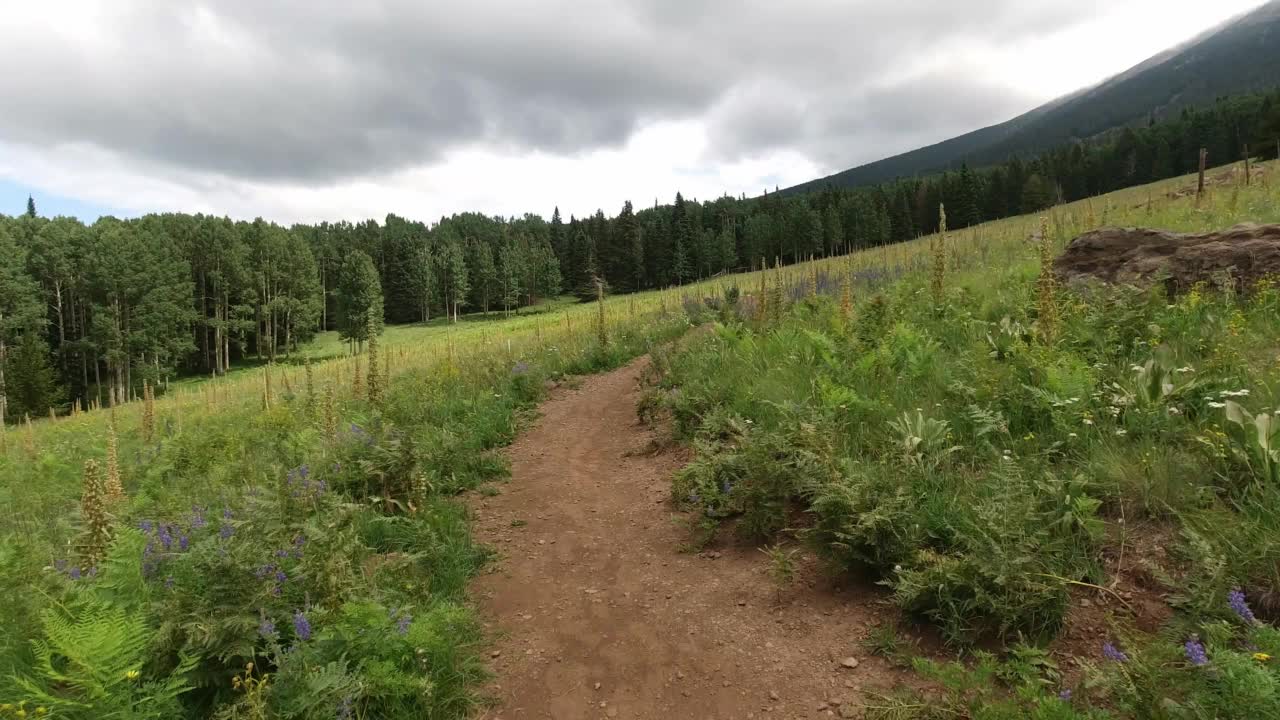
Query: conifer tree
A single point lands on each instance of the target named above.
(359, 299)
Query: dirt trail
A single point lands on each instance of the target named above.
(599, 615)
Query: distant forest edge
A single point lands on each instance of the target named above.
(111, 305)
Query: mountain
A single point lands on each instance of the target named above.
(1241, 55)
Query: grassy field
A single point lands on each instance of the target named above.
(1078, 489)
(300, 518)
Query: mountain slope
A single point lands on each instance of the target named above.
(1241, 55)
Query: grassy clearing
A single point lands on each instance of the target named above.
(1016, 447)
(276, 517)
(285, 547)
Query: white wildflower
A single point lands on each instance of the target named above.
(1217, 405)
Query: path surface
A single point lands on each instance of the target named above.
(598, 614)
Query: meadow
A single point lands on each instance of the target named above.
(286, 541)
(1075, 487)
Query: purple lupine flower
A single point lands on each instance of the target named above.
(226, 532)
(1195, 652)
(183, 543)
(74, 574)
(146, 526)
(402, 625)
(263, 572)
(281, 577)
(197, 517)
(227, 514)
(301, 627)
(1111, 652)
(166, 538)
(282, 553)
(266, 628)
(1065, 695)
(1240, 606)
(60, 565)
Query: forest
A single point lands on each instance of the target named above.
(92, 311)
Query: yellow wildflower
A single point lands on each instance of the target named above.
(132, 675)
(1261, 657)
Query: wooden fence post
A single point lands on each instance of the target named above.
(1204, 155)
(1246, 165)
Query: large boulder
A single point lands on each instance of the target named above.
(1141, 256)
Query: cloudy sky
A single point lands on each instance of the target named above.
(326, 109)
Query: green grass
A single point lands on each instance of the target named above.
(336, 565)
(359, 535)
(984, 471)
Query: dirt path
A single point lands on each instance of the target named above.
(598, 614)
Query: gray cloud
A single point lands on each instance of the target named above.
(322, 90)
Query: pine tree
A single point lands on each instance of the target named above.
(31, 207)
(31, 382)
(359, 299)
(628, 233)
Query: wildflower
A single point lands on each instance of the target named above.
(132, 675)
(266, 628)
(1122, 431)
(1087, 421)
(74, 574)
(1261, 657)
(197, 518)
(1217, 405)
(1065, 695)
(183, 543)
(226, 532)
(166, 538)
(263, 572)
(1111, 652)
(146, 526)
(1195, 652)
(301, 627)
(168, 583)
(1240, 606)
(402, 625)
(281, 577)
(227, 514)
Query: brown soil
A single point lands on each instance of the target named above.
(597, 614)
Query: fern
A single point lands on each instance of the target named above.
(90, 666)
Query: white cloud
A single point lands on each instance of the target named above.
(309, 111)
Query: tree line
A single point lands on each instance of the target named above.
(86, 309)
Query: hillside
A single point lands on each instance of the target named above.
(1240, 56)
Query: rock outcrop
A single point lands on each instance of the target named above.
(1243, 255)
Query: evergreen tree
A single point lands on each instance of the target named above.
(359, 299)
(21, 311)
(628, 233)
(31, 207)
(32, 384)
(728, 246)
